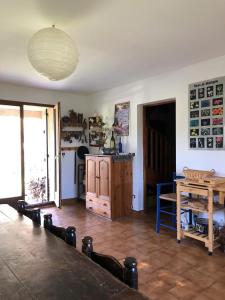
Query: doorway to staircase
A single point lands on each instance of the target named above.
(159, 137)
(29, 159)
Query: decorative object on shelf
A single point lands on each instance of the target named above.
(98, 132)
(74, 126)
(197, 174)
(120, 146)
(81, 151)
(207, 114)
(121, 119)
(201, 225)
(202, 177)
(52, 53)
(108, 151)
(112, 141)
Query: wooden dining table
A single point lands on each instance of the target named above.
(35, 264)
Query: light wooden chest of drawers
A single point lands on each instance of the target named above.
(108, 186)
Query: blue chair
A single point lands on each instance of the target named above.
(169, 209)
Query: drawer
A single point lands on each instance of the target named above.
(99, 211)
(98, 202)
(104, 213)
(90, 202)
(104, 203)
(94, 207)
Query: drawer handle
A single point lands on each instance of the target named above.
(105, 213)
(104, 204)
(90, 200)
(90, 207)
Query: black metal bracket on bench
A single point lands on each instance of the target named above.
(127, 273)
(67, 234)
(33, 213)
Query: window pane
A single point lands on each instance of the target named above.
(10, 151)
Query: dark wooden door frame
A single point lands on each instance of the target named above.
(18, 103)
(21, 105)
(151, 104)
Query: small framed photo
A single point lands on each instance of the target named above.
(210, 142)
(217, 131)
(194, 123)
(217, 111)
(219, 142)
(205, 131)
(217, 121)
(205, 122)
(192, 94)
(205, 103)
(210, 91)
(217, 101)
(194, 132)
(205, 112)
(201, 93)
(193, 143)
(194, 104)
(219, 89)
(201, 143)
(194, 114)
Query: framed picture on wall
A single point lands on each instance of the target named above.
(96, 133)
(207, 114)
(121, 119)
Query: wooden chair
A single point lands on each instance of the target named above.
(168, 209)
(67, 234)
(127, 273)
(33, 213)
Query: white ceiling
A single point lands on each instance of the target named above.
(119, 41)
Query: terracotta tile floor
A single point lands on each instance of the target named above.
(167, 270)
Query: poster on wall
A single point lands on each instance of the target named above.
(121, 119)
(207, 114)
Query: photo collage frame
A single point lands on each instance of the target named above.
(207, 114)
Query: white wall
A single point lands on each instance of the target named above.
(172, 85)
(78, 102)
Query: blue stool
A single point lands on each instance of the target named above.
(169, 209)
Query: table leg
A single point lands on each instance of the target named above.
(210, 220)
(158, 209)
(178, 214)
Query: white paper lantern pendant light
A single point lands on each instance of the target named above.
(52, 53)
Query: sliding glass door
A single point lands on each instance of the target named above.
(11, 173)
(35, 154)
(30, 153)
